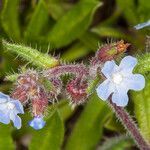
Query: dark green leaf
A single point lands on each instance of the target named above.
(6, 141)
(38, 20)
(9, 18)
(68, 28)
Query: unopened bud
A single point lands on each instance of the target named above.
(110, 51)
(39, 103)
(76, 90)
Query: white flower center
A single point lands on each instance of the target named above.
(117, 78)
(10, 105)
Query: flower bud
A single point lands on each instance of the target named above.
(26, 87)
(37, 123)
(39, 103)
(76, 89)
(110, 51)
(56, 86)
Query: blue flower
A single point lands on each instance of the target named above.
(9, 108)
(37, 123)
(120, 79)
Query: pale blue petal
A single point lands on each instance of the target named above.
(120, 97)
(127, 64)
(4, 118)
(135, 82)
(3, 107)
(16, 120)
(108, 68)
(3, 98)
(105, 89)
(37, 123)
(19, 106)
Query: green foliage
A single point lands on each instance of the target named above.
(6, 141)
(142, 109)
(117, 143)
(51, 136)
(69, 25)
(88, 130)
(37, 22)
(143, 64)
(9, 18)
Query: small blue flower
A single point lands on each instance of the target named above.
(37, 123)
(120, 79)
(9, 108)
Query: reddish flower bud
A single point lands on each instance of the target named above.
(20, 93)
(39, 103)
(110, 51)
(27, 86)
(76, 90)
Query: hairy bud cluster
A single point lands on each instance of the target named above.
(26, 87)
(39, 103)
(56, 86)
(76, 90)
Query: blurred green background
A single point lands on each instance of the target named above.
(72, 29)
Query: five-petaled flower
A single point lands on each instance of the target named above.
(37, 123)
(120, 79)
(9, 108)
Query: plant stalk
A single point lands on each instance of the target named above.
(130, 126)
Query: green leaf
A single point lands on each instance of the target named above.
(6, 141)
(143, 10)
(64, 108)
(55, 8)
(68, 28)
(38, 20)
(51, 136)
(113, 124)
(90, 40)
(108, 32)
(142, 109)
(117, 143)
(88, 129)
(80, 51)
(9, 18)
(32, 55)
(127, 8)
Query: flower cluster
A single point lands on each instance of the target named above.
(37, 89)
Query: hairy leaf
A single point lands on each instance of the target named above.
(32, 55)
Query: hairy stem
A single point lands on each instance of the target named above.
(79, 70)
(131, 127)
